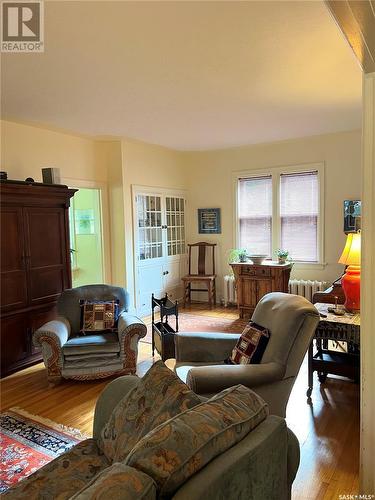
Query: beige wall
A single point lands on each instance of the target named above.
(207, 176)
(82, 162)
(146, 165)
(109, 157)
(25, 150)
(210, 184)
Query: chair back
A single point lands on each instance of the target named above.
(201, 258)
(292, 321)
(68, 303)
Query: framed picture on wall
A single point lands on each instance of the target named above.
(209, 221)
(352, 216)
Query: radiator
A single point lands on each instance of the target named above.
(307, 288)
(230, 294)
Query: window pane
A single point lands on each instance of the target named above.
(255, 214)
(299, 210)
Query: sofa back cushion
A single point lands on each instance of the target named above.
(118, 482)
(183, 445)
(159, 396)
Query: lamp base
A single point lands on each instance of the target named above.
(351, 284)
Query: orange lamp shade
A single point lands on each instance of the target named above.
(351, 281)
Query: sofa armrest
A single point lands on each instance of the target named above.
(215, 378)
(204, 347)
(109, 398)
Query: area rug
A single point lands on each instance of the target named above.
(27, 442)
(197, 323)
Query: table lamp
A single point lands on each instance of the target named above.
(351, 281)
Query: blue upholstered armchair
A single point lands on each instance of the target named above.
(66, 354)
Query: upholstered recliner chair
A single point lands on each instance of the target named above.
(291, 320)
(97, 355)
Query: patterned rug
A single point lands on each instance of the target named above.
(197, 323)
(28, 442)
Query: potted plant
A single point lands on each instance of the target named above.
(238, 255)
(282, 255)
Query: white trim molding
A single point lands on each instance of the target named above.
(367, 447)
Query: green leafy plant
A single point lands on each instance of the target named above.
(282, 254)
(238, 255)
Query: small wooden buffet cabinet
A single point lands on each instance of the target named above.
(254, 281)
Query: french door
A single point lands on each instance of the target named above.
(160, 249)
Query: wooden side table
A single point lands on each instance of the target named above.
(325, 360)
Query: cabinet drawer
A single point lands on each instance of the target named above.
(259, 271)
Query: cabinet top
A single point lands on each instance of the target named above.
(266, 263)
(35, 188)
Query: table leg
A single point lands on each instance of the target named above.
(310, 370)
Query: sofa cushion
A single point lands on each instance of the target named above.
(250, 346)
(92, 344)
(159, 396)
(183, 445)
(118, 482)
(98, 316)
(64, 476)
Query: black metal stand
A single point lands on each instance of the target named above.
(162, 331)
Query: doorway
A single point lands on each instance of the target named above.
(86, 238)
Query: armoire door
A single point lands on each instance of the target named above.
(46, 253)
(13, 259)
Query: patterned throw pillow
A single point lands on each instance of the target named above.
(250, 346)
(99, 316)
(183, 445)
(159, 396)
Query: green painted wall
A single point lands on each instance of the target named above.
(87, 265)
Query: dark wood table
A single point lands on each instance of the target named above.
(344, 331)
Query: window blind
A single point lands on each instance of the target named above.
(255, 214)
(299, 210)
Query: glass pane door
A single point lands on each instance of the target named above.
(175, 214)
(149, 221)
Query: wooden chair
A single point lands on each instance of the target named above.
(202, 276)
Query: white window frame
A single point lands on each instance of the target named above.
(275, 173)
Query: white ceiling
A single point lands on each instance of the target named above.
(187, 75)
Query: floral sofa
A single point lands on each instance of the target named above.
(153, 438)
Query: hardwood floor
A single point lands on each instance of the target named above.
(328, 429)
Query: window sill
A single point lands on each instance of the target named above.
(309, 265)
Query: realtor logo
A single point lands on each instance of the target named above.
(22, 26)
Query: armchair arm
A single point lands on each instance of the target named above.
(51, 337)
(204, 347)
(130, 330)
(57, 330)
(215, 378)
(127, 323)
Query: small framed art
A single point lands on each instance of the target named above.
(209, 221)
(352, 216)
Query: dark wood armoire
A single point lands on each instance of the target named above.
(35, 264)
